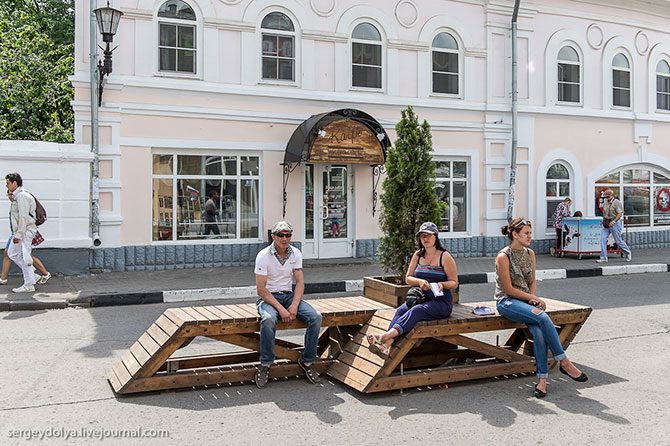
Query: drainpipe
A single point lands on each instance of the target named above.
(512, 172)
(95, 140)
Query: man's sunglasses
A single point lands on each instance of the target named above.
(283, 235)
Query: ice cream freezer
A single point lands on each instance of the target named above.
(581, 236)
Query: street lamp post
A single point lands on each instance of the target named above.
(107, 19)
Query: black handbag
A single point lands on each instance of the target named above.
(415, 295)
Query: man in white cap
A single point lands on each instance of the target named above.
(276, 267)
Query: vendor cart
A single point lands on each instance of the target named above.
(581, 236)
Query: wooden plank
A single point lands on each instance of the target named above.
(381, 296)
(213, 318)
(158, 334)
(252, 342)
(351, 307)
(236, 313)
(223, 317)
(132, 365)
(248, 311)
(222, 375)
(230, 315)
(167, 325)
(483, 347)
(121, 372)
(149, 344)
(398, 351)
(340, 307)
(326, 307)
(159, 357)
(172, 315)
(114, 380)
(199, 318)
(140, 353)
(448, 375)
(364, 302)
(181, 314)
(352, 377)
(359, 363)
(200, 361)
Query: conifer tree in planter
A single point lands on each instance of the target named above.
(408, 199)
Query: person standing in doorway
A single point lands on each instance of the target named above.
(612, 224)
(211, 211)
(276, 267)
(22, 219)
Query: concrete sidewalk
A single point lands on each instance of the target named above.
(322, 276)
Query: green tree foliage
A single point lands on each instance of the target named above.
(409, 196)
(36, 58)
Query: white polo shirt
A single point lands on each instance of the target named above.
(280, 277)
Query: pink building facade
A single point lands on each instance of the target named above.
(206, 94)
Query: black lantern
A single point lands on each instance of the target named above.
(108, 22)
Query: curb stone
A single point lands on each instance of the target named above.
(225, 293)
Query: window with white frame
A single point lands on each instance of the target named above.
(643, 191)
(445, 64)
(176, 37)
(452, 189)
(569, 75)
(663, 85)
(278, 47)
(182, 186)
(557, 188)
(620, 81)
(366, 56)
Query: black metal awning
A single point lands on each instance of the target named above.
(299, 145)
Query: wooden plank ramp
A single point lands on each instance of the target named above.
(437, 352)
(149, 364)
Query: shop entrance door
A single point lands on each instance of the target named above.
(328, 232)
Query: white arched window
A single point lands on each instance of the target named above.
(620, 81)
(278, 47)
(176, 37)
(569, 75)
(445, 64)
(557, 189)
(366, 56)
(663, 85)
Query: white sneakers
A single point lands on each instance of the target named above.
(629, 256)
(24, 289)
(601, 261)
(3, 281)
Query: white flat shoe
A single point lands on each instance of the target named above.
(24, 289)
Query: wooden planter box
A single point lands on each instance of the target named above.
(381, 289)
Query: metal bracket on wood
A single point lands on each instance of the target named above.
(377, 172)
(172, 367)
(288, 168)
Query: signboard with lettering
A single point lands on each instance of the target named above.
(346, 142)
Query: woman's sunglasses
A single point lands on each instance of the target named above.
(283, 235)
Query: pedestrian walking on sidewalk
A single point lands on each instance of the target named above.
(7, 262)
(22, 219)
(276, 267)
(431, 264)
(612, 224)
(516, 296)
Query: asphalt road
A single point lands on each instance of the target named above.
(53, 363)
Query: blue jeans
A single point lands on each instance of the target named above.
(540, 326)
(269, 317)
(616, 231)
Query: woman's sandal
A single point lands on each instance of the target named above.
(539, 393)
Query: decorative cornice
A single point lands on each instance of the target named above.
(475, 52)
(136, 14)
(408, 45)
(324, 36)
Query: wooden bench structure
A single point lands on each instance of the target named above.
(149, 363)
(434, 352)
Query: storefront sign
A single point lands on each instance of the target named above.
(662, 211)
(346, 142)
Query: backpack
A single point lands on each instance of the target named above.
(40, 212)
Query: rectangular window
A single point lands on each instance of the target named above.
(568, 83)
(663, 92)
(278, 57)
(636, 205)
(445, 72)
(176, 47)
(620, 88)
(452, 188)
(662, 205)
(183, 186)
(366, 65)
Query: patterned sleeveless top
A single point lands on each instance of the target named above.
(433, 273)
(520, 270)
